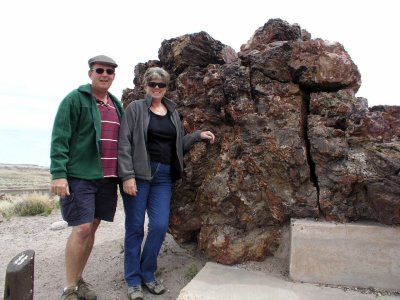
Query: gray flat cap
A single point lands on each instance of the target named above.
(102, 59)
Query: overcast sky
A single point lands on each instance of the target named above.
(45, 46)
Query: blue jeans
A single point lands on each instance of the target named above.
(153, 196)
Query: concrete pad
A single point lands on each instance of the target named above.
(352, 254)
(219, 282)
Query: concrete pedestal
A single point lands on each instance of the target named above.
(352, 254)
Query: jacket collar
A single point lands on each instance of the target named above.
(86, 88)
(169, 104)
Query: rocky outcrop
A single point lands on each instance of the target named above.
(293, 141)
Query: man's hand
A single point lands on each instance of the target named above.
(60, 187)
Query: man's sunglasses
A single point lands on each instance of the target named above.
(153, 84)
(101, 71)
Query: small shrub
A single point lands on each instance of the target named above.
(159, 272)
(34, 204)
(57, 203)
(6, 209)
(191, 272)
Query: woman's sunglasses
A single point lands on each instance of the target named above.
(153, 84)
(101, 71)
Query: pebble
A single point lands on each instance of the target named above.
(59, 225)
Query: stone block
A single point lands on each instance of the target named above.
(353, 254)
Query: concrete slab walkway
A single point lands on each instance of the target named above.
(219, 282)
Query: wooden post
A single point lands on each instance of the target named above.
(19, 277)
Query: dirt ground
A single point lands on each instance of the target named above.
(105, 267)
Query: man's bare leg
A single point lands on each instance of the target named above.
(76, 252)
(89, 244)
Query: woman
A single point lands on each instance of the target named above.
(150, 158)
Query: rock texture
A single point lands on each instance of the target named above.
(292, 140)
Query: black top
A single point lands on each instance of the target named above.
(161, 136)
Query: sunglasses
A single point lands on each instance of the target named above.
(153, 84)
(101, 71)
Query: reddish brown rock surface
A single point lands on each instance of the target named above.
(292, 140)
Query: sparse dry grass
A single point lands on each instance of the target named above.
(191, 272)
(18, 202)
(23, 176)
(28, 204)
(34, 204)
(6, 208)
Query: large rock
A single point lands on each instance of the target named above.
(293, 141)
(356, 152)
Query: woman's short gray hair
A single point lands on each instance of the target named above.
(156, 73)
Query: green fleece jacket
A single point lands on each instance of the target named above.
(75, 140)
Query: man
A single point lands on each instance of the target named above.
(84, 151)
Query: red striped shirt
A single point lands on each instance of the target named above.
(109, 137)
